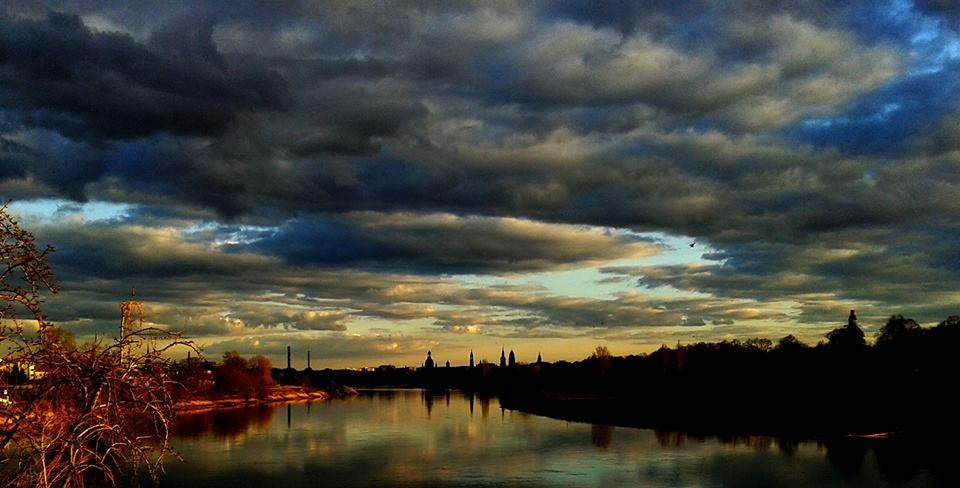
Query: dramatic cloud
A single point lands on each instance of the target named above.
(61, 75)
(447, 243)
(449, 174)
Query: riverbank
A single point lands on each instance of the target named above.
(730, 417)
(279, 394)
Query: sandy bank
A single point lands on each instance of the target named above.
(280, 394)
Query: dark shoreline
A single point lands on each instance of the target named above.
(613, 410)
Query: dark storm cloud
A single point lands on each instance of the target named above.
(696, 21)
(136, 252)
(357, 90)
(334, 149)
(59, 74)
(940, 141)
(40, 162)
(419, 92)
(344, 117)
(783, 77)
(157, 246)
(879, 272)
(445, 243)
(890, 120)
(625, 16)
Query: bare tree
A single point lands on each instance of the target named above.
(91, 412)
(23, 270)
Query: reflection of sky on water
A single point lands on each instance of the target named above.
(394, 439)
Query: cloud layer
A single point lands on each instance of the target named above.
(448, 171)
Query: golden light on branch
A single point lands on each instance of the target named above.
(131, 319)
(23, 270)
(90, 412)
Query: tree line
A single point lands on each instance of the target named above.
(234, 376)
(902, 382)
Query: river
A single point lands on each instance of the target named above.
(410, 438)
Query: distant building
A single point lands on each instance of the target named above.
(428, 363)
(847, 337)
(539, 359)
(503, 359)
(513, 359)
(471, 358)
(18, 371)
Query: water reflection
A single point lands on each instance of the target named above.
(846, 456)
(602, 435)
(233, 422)
(417, 438)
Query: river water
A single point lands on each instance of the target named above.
(410, 438)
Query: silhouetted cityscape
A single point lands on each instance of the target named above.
(833, 386)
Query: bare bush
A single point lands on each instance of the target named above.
(73, 414)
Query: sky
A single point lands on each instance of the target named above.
(372, 180)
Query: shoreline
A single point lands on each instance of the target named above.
(277, 395)
(615, 410)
